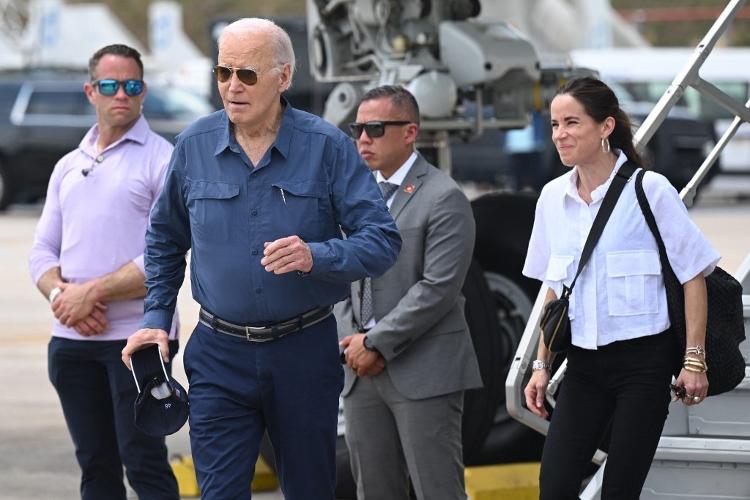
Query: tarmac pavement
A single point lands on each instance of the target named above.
(36, 454)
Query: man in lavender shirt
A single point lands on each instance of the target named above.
(87, 259)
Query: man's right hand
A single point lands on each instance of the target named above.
(144, 337)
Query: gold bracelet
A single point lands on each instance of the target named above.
(693, 361)
(698, 350)
(695, 365)
(694, 370)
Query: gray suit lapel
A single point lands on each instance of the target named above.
(410, 186)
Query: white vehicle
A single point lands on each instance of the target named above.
(647, 72)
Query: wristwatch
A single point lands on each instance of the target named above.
(367, 345)
(538, 364)
(54, 293)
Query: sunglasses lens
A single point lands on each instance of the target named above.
(247, 76)
(108, 87)
(222, 73)
(133, 87)
(375, 129)
(356, 129)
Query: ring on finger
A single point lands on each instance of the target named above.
(696, 399)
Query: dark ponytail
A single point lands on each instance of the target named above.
(599, 102)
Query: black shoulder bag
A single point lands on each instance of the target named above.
(555, 322)
(725, 328)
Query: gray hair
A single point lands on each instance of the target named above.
(283, 52)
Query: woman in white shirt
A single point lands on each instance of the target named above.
(620, 363)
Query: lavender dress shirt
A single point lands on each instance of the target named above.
(94, 224)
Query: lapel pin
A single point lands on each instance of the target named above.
(409, 188)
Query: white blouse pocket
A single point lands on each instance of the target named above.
(559, 272)
(632, 282)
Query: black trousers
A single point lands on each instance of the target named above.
(625, 383)
(97, 393)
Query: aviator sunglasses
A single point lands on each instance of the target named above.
(109, 87)
(248, 76)
(374, 128)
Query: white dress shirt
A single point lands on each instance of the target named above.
(398, 176)
(620, 293)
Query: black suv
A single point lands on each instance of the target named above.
(45, 114)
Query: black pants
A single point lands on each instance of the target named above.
(625, 383)
(97, 393)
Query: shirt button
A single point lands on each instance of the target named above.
(257, 290)
(255, 252)
(254, 213)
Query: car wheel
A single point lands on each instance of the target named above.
(5, 188)
(504, 222)
(489, 339)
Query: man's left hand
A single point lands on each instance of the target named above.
(286, 255)
(76, 302)
(364, 362)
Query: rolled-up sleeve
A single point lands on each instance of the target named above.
(45, 252)
(159, 173)
(538, 253)
(372, 239)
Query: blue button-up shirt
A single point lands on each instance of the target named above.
(311, 183)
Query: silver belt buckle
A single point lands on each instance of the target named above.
(249, 330)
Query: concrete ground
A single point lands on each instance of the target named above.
(36, 455)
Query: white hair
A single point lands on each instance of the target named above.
(283, 52)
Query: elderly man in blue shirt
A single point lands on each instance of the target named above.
(261, 193)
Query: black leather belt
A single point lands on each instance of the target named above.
(265, 333)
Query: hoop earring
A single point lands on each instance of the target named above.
(605, 145)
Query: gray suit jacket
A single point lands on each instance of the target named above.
(421, 330)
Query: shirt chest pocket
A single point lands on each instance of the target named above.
(633, 282)
(210, 204)
(305, 209)
(560, 272)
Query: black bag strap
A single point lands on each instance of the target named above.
(651, 222)
(602, 216)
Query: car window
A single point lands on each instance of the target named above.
(8, 94)
(52, 102)
(166, 102)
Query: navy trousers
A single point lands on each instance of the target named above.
(625, 383)
(97, 393)
(238, 389)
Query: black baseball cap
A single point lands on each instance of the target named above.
(162, 405)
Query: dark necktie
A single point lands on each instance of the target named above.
(366, 310)
(387, 189)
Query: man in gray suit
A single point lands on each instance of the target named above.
(408, 351)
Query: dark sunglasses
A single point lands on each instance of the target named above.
(375, 128)
(248, 76)
(109, 87)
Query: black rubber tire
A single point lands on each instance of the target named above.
(481, 404)
(504, 222)
(5, 188)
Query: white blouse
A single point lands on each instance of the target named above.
(620, 293)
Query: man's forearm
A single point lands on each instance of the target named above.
(123, 284)
(49, 280)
